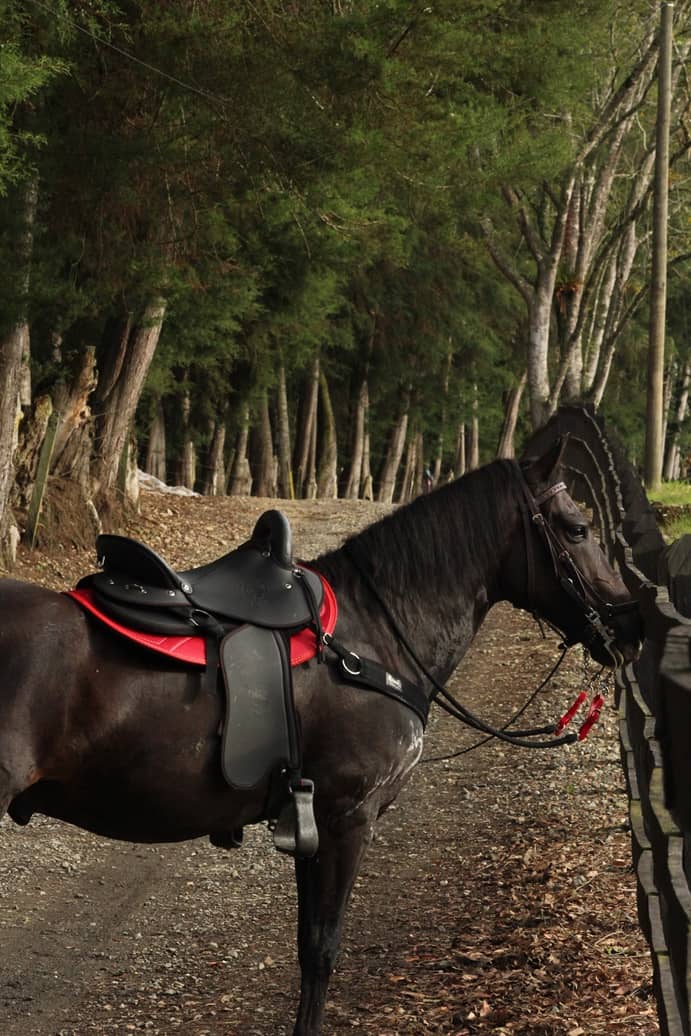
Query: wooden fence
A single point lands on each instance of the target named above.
(653, 697)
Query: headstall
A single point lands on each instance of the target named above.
(596, 611)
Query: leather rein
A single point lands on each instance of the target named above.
(574, 583)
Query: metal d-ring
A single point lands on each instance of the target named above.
(353, 672)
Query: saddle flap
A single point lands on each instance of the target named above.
(260, 732)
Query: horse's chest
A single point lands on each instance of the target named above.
(382, 780)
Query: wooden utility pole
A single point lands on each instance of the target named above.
(658, 288)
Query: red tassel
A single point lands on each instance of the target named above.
(592, 717)
(570, 713)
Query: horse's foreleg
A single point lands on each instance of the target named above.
(324, 885)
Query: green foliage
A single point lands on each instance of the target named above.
(295, 181)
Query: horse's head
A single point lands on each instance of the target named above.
(567, 580)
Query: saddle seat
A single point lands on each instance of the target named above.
(257, 583)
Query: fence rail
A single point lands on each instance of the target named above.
(653, 697)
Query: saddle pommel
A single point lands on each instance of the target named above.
(272, 535)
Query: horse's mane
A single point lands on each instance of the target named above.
(454, 530)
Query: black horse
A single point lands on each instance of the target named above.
(103, 736)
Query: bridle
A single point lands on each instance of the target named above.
(597, 613)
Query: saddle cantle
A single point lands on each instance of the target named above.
(245, 603)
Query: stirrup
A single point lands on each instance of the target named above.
(296, 829)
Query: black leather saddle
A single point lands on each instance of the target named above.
(257, 583)
(245, 604)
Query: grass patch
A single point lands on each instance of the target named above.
(672, 493)
(676, 528)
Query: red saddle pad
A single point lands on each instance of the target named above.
(303, 645)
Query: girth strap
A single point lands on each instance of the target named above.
(372, 676)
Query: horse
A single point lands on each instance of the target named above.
(102, 735)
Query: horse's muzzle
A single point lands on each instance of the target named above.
(620, 642)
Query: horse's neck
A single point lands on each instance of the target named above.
(438, 615)
(441, 627)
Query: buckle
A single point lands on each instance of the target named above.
(352, 672)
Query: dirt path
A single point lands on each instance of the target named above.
(496, 898)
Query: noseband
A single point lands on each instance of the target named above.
(597, 612)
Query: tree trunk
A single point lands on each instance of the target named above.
(129, 474)
(188, 467)
(439, 451)
(655, 412)
(37, 464)
(14, 361)
(367, 483)
(263, 452)
(669, 385)
(308, 422)
(311, 474)
(215, 475)
(127, 365)
(407, 485)
(352, 487)
(155, 461)
(285, 472)
(615, 311)
(438, 458)
(32, 431)
(538, 351)
(11, 352)
(673, 453)
(387, 481)
(474, 452)
(71, 403)
(26, 248)
(512, 407)
(188, 461)
(240, 481)
(421, 465)
(460, 462)
(327, 478)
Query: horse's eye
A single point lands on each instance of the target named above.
(577, 533)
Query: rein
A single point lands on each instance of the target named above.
(576, 586)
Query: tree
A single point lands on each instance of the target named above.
(580, 229)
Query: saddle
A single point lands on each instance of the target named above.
(257, 583)
(246, 605)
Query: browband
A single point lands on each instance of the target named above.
(547, 494)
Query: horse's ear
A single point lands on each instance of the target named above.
(543, 470)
